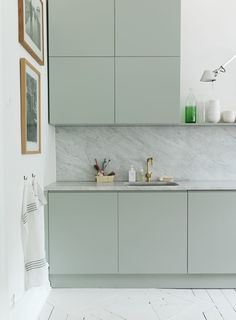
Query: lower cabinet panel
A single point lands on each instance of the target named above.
(83, 233)
(212, 232)
(153, 232)
(123, 236)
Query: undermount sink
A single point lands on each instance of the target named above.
(152, 183)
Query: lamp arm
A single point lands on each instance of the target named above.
(229, 61)
(222, 67)
(210, 76)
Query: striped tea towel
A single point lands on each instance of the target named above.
(38, 192)
(36, 266)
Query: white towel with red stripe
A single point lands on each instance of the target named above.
(36, 266)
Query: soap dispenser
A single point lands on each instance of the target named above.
(132, 174)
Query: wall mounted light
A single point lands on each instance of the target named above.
(210, 76)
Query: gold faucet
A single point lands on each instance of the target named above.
(148, 175)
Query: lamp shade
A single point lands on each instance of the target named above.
(208, 76)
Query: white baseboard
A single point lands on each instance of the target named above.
(31, 304)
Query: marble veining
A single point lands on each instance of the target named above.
(196, 153)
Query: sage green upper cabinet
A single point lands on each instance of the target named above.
(147, 90)
(81, 90)
(153, 232)
(83, 233)
(147, 27)
(81, 27)
(212, 232)
(114, 62)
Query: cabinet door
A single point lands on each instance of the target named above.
(81, 28)
(83, 233)
(212, 232)
(153, 232)
(81, 90)
(148, 27)
(147, 90)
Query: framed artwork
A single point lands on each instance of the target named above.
(31, 31)
(30, 108)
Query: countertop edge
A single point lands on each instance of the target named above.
(72, 186)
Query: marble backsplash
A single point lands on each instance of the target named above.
(199, 153)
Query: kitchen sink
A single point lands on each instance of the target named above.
(152, 184)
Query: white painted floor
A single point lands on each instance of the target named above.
(140, 304)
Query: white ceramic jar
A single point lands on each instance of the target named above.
(213, 105)
(213, 111)
(228, 116)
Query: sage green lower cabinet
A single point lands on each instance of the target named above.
(163, 239)
(147, 90)
(153, 232)
(83, 233)
(81, 90)
(212, 232)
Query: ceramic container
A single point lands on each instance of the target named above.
(213, 105)
(228, 116)
(213, 117)
(213, 111)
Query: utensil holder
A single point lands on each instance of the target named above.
(104, 179)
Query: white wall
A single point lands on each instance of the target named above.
(208, 40)
(17, 165)
(3, 264)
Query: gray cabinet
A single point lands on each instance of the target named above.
(81, 90)
(81, 28)
(153, 232)
(148, 27)
(83, 233)
(147, 90)
(131, 233)
(212, 232)
(114, 62)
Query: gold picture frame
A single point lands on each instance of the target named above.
(30, 80)
(31, 28)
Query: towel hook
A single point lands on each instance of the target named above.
(25, 178)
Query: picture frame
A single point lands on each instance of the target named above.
(31, 28)
(30, 80)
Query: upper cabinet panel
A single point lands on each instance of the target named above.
(147, 90)
(81, 91)
(148, 27)
(81, 28)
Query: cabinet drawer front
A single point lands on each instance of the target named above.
(147, 90)
(81, 28)
(212, 235)
(148, 27)
(83, 233)
(81, 90)
(153, 232)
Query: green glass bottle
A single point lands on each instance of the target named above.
(191, 108)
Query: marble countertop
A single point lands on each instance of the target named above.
(183, 185)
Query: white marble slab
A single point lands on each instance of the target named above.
(184, 185)
(187, 152)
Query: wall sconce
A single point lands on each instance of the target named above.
(210, 76)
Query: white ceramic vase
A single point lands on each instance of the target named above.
(228, 116)
(213, 111)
